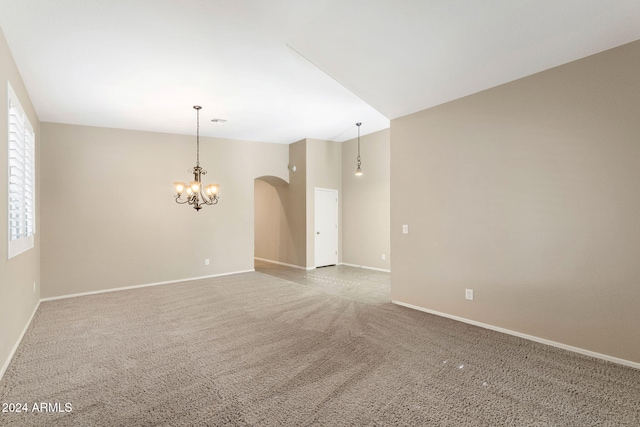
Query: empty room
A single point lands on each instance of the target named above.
(332, 213)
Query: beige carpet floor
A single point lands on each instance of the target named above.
(286, 347)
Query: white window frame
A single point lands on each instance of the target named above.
(21, 178)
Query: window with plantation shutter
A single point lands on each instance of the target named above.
(21, 167)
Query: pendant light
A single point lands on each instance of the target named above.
(359, 163)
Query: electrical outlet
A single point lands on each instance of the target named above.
(384, 257)
(206, 261)
(405, 229)
(468, 294)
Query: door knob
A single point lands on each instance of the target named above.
(317, 232)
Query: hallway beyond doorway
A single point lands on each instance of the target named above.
(354, 283)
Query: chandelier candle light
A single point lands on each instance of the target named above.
(358, 170)
(196, 195)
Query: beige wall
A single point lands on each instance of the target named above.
(324, 170)
(17, 275)
(529, 194)
(297, 200)
(366, 210)
(111, 220)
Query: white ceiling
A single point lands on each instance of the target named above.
(283, 70)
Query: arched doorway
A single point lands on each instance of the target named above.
(279, 224)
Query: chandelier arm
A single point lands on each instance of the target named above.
(208, 200)
(211, 201)
(202, 197)
(179, 199)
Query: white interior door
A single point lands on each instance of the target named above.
(326, 222)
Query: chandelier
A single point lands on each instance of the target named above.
(197, 195)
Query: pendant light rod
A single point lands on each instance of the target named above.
(358, 124)
(197, 108)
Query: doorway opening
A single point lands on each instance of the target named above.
(278, 223)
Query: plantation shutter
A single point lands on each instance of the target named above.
(21, 144)
(29, 182)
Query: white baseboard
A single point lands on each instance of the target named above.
(15, 347)
(283, 263)
(525, 336)
(365, 267)
(144, 286)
